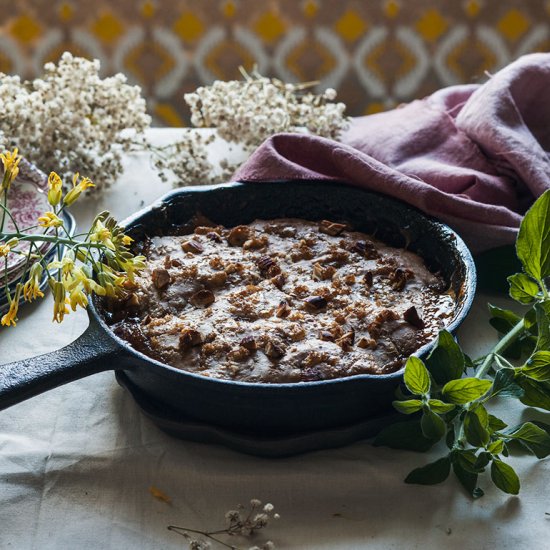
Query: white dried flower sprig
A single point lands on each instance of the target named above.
(250, 111)
(186, 159)
(246, 112)
(72, 120)
(240, 522)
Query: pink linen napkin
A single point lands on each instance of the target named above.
(474, 156)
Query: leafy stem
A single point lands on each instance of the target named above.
(450, 407)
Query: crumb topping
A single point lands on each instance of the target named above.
(281, 301)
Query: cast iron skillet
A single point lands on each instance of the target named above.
(261, 408)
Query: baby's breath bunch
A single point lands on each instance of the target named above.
(71, 119)
(250, 111)
(102, 251)
(246, 113)
(241, 522)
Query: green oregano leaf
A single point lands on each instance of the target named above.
(408, 407)
(535, 393)
(466, 458)
(533, 438)
(465, 390)
(504, 384)
(482, 461)
(404, 435)
(504, 477)
(446, 361)
(523, 289)
(439, 406)
(533, 242)
(435, 472)
(503, 320)
(432, 425)
(468, 480)
(537, 366)
(417, 378)
(542, 311)
(496, 424)
(496, 447)
(477, 435)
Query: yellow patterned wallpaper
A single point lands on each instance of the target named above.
(377, 53)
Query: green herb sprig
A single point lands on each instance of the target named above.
(455, 409)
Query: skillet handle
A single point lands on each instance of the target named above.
(92, 352)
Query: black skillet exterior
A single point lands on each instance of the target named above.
(286, 408)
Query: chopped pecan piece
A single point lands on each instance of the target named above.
(132, 301)
(268, 266)
(189, 338)
(192, 246)
(412, 317)
(249, 342)
(283, 310)
(384, 316)
(238, 235)
(274, 350)
(213, 236)
(238, 354)
(206, 229)
(365, 248)
(255, 243)
(331, 228)
(215, 280)
(279, 280)
(161, 278)
(349, 279)
(202, 298)
(323, 273)
(399, 278)
(366, 343)
(315, 303)
(368, 279)
(346, 341)
(326, 336)
(314, 358)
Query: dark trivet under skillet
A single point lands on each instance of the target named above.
(272, 446)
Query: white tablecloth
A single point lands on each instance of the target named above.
(77, 462)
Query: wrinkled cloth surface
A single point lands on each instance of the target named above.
(77, 462)
(474, 156)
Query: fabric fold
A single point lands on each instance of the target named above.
(474, 156)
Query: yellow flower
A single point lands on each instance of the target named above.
(10, 318)
(81, 278)
(132, 266)
(60, 300)
(5, 248)
(127, 241)
(55, 189)
(101, 234)
(66, 264)
(49, 219)
(10, 160)
(77, 189)
(31, 289)
(77, 298)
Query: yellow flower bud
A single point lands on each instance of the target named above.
(78, 188)
(55, 186)
(10, 160)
